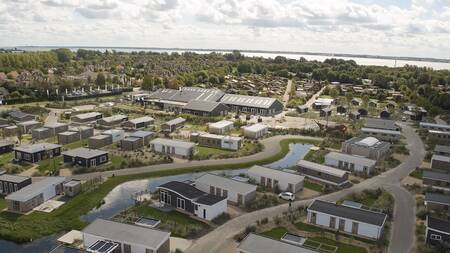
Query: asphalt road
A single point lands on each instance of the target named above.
(402, 233)
(271, 147)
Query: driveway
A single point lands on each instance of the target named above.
(402, 234)
(287, 92)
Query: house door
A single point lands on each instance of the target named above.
(211, 190)
(180, 203)
(239, 199)
(333, 222)
(204, 213)
(341, 224)
(263, 181)
(269, 182)
(313, 218)
(355, 227)
(93, 163)
(290, 188)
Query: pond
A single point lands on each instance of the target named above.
(120, 198)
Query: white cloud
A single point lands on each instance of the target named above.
(351, 26)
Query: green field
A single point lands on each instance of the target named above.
(341, 247)
(306, 227)
(2, 203)
(23, 228)
(180, 224)
(275, 233)
(6, 158)
(313, 186)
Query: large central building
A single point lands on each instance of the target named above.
(188, 99)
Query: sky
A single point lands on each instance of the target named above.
(418, 28)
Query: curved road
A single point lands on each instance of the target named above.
(402, 233)
(271, 147)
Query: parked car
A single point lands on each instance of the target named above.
(287, 196)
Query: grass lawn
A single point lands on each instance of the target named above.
(6, 158)
(247, 148)
(77, 144)
(342, 247)
(181, 225)
(51, 165)
(313, 186)
(417, 173)
(23, 228)
(2, 203)
(275, 233)
(316, 156)
(307, 227)
(206, 151)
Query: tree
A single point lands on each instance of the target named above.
(101, 80)
(147, 83)
(244, 67)
(334, 93)
(63, 54)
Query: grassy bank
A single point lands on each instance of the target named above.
(23, 228)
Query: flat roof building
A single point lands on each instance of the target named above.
(128, 238)
(205, 108)
(139, 123)
(271, 178)
(437, 201)
(368, 147)
(85, 157)
(255, 131)
(442, 150)
(254, 243)
(433, 126)
(113, 120)
(346, 219)
(36, 152)
(350, 162)
(436, 180)
(322, 173)
(12, 183)
(172, 147)
(89, 117)
(437, 230)
(220, 127)
(440, 162)
(264, 106)
(172, 125)
(237, 192)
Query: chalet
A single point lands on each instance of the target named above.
(19, 116)
(31, 196)
(350, 162)
(354, 115)
(83, 131)
(205, 108)
(442, 150)
(104, 236)
(437, 201)
(12, 183)
(342, 109)
(350, 220)
(112, 120)
(220, 127)
(138, 123)
(325, 112)
(99, 141)
(192, 200)
(440, 162)
(171, 147)
(116, 134)
(172, 125)
(41, 133)
(369, 147)
(144, 136)
(27, 126)
(271, 178)
(237, 192)
(263, 106)
(86, 118)
(85, 157)
(68, 137)
(57, 127)
(72, 187)
(36, 152)
(323, 173)
(255, 131)
(437, 231)
(322, 103)
(436, 180)
(218, 141)
(385, 135)
(6, 146)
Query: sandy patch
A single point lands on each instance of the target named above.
(179, 243)
(65, 172)
(411, 181)
(29, 172)
(307, 194)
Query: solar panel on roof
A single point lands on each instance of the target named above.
(103, 246)
(293, 239)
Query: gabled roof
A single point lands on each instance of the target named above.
(203, 106)
(438, 224)
(357, 214)
(437, 198)
(250, 101)
(186, 94)
(322, 168)
(123, 233)
(381, 124)
(13, 178)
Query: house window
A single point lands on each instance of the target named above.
(103, 159)
(225, 194)
(149, 251)
(436, 237)
(180, 203)
(126, 248)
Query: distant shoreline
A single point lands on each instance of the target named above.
(366, 56)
